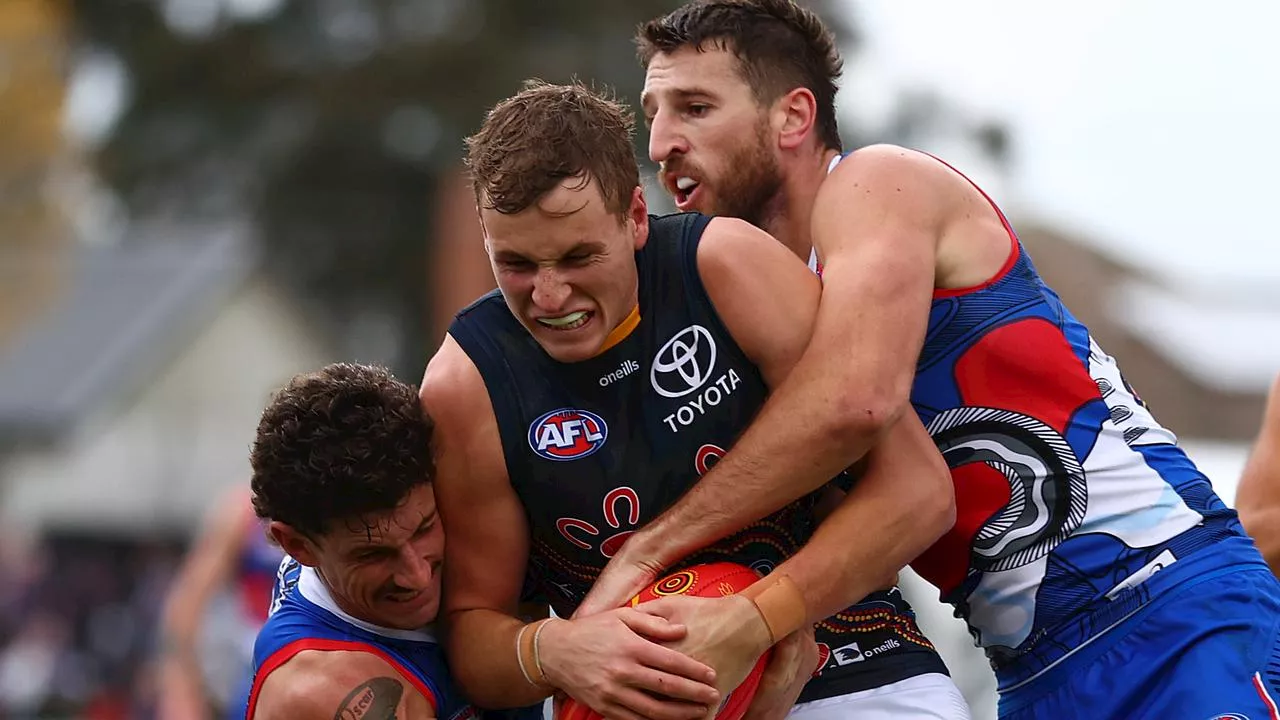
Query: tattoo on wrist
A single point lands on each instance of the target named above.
(374, 699)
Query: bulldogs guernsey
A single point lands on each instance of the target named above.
(1070, 496)
(598, 448)
(305, 617)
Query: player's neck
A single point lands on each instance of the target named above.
(790, 224)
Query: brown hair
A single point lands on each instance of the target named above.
(779, 45)
(532, 141)
(343, 442)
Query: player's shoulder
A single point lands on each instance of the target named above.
(885, 182)
(451, 383)
(892, 170)
(724, 237)
(339, 683)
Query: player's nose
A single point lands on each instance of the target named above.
(550, 291)
(416, 570)
(665, 138)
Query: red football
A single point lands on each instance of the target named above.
(709, 580)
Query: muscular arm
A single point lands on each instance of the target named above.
(1258, 496)
(336, 685)
(904, 501)
(902, 504)
(487, 543)
(611, 662)
(877, 223)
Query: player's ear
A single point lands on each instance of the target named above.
(794, 115)
(295, 544)
(638, 218)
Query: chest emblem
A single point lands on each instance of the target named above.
(567, 434)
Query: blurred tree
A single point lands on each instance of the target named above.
(33, 46)
(331, 122)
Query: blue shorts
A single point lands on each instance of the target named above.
(1207, 649)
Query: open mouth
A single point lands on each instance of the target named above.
(683, 190)
(570, 321)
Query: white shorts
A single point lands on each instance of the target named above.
(931, 696)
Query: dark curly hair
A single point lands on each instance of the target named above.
(343, 442)
(780, 46)
(544, 134)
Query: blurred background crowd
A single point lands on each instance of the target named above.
(200, 198)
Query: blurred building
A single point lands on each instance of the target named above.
(130, 403)
(1168, 338)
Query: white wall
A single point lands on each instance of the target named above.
(159, 459)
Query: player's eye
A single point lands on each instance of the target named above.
(516, 265)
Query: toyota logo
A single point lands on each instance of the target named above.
(685, 363)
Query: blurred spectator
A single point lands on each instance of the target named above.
(77, 624)
(232, 551)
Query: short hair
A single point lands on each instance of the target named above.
(779, 46)
(343, 442)
(534, 140)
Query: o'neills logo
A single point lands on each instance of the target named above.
(626, 368)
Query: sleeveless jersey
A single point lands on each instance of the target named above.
(598, 448)
(1069, 494)
(304, 616)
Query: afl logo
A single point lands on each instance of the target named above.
(567, 434)
(685, 363)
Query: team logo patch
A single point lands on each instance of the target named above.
(567, 434)
(1230, 716)
(1047, 493)
(685, 363)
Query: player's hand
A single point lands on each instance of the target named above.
(627, 573)
(726, 633)
(793, 663)
(612, 663)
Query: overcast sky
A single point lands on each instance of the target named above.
(1155, 126)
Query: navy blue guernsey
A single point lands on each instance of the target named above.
(596, 449)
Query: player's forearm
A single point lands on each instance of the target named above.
(181, 688)
(861, 547)
(902, 504)
(797, 444)
(484, 661)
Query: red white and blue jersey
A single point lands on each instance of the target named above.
(1069, 494)
(304, 616)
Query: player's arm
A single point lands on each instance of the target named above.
(1258, 495)
(902, 503)
(904, 500)
(205, 570)
(487, 535)
(323, 685)
(497, 660)
(877, 223)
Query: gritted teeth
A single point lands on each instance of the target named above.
(571, 320)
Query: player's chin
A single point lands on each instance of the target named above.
(412, 614)
(569, 348)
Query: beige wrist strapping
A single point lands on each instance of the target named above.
(780, 603)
